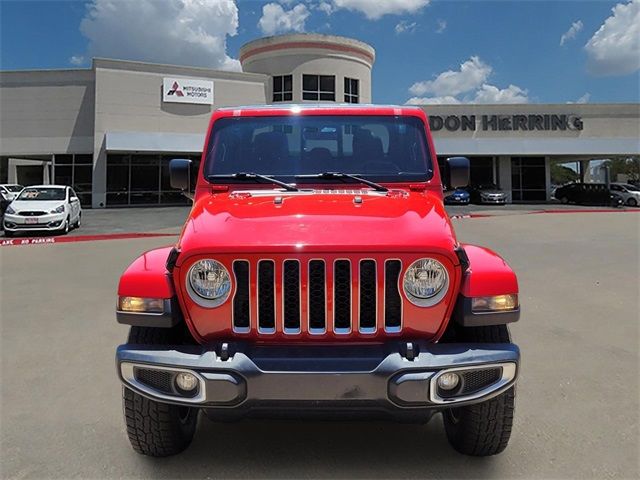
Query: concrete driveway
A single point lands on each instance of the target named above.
(578, 399)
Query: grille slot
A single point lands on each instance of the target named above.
(291, 296)
(159, 379)
(475, 380)
(317, 297)
(342, 296)
(392, 300)
(241, 313)
(368, 296)
(32, 214)
(266, 297)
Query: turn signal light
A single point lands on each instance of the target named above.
(141, 305)
(496, 303)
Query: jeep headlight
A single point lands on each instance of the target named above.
(425, 282)
(208, 283)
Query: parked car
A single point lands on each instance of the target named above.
(49, 208)
(630, 193)
(4, 203)
(487, 193)
(289, 293)
(584, 194)
(458, 197)
(10, 190)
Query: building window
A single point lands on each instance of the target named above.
(283, 88)
(144, 180)
(351, 94)
(75, 171)
(319, 87)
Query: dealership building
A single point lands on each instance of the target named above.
(110, 130)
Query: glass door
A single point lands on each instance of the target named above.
(528, 179)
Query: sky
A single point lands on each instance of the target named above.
(427, 51)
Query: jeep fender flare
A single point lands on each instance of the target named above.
(488, 275)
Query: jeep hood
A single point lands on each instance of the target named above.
(317, 221)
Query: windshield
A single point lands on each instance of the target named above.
(378, 148)
(13, 188)
(42, 194)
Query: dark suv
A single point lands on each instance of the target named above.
(584, 194)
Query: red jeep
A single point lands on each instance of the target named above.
(318, 274)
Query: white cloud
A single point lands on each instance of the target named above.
(615, 48)
(76, 60)
(185, 32)
(442, 26)
(583, 99)
(572, 32)
(277, 20)
(375, 9)
(446, 100)
(467, 85)
(492, 94)
(405, 27)
(472, 74)
(325, 7)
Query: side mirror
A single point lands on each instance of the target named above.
(180, 174)
(456, 172)
(73, 199)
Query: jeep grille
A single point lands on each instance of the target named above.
(330, 291)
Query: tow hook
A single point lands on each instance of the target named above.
(410, 351)
(224, 352)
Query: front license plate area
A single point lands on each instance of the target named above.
(31, 221)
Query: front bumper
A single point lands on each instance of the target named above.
(398, 378)
(494, 200)
(17, 223)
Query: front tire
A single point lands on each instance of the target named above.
(632, 202)
(154, 428)
(482, 429)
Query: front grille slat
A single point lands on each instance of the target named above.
(313, 293)
(392, 299)
(368, 296)
(342, 296)
(317, 297)
(291, 296)
(241, 314)
(266, 297)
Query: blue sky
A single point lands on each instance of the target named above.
(427, 51)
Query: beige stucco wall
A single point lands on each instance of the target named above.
(299, 54)
(45, 112)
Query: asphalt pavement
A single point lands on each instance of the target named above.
(578, 396)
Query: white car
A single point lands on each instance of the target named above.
(10, 190)
(43, 208)
(630, 193)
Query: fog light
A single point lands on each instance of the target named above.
(448, 381)
(186, 381)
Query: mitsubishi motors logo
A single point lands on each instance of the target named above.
(187, 90)
(175, 90)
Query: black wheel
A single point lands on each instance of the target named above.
(154, 428)
(564, 200)
(632, 202)
(485, 428)
(8, 234)
(65, 228)
(77, 224)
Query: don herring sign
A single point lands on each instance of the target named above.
(187, 90)
(542, 122)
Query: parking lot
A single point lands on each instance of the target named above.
(578, 397)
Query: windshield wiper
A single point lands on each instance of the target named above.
(256, 177)
(344, 177)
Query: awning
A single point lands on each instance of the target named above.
(156, 142)
(537, 146)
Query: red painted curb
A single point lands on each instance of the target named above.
(14, 242)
